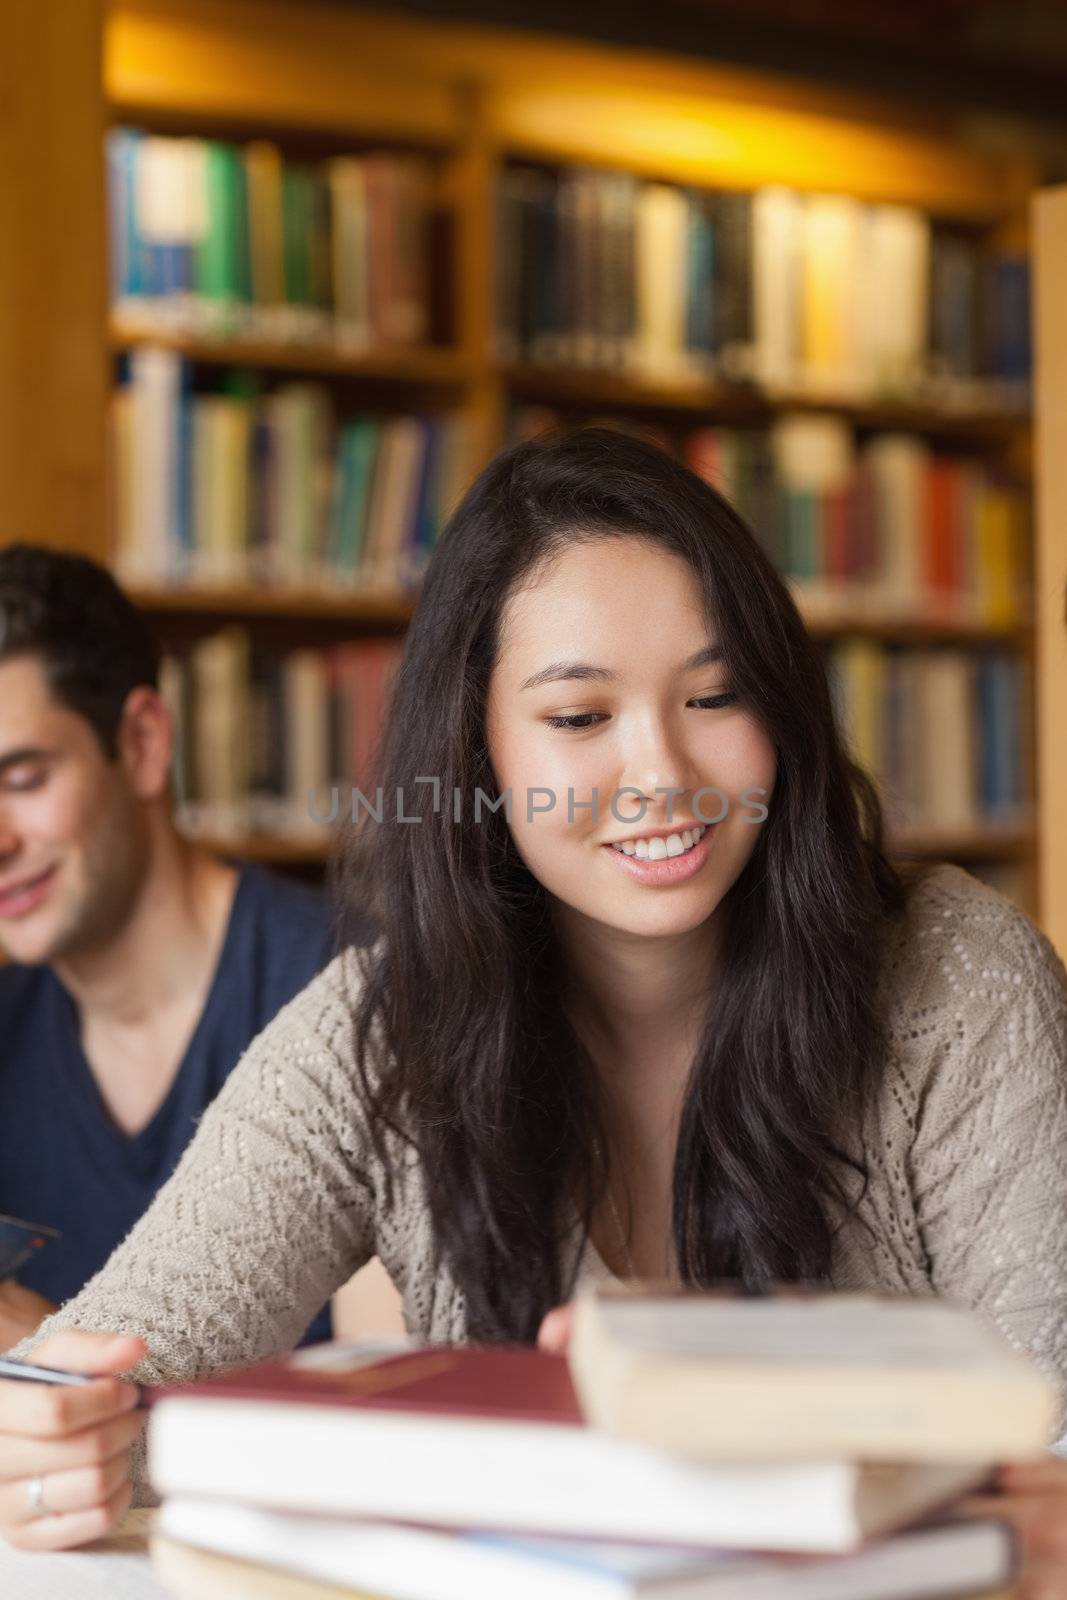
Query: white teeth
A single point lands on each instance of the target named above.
(672, 844)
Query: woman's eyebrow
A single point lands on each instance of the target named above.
(583, 671)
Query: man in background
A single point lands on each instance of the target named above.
(139, 965)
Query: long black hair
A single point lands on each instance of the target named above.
(462, 1039)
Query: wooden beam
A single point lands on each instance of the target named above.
(1050, 344)
(53, 291)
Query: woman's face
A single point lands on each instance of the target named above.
(606, 680)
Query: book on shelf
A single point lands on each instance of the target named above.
(275, 744)
(941, 730)
(798, 1375)
(218, 239)
(887, 529)
(495, 1438)
(247, 485)
(814, 293)
(205, 1550)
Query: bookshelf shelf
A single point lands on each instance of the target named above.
(986, 842)
(382, 610)
(710, 400)
(269, 849)
(424, 366)
(983, 843)
(977, 844)
(902, 628)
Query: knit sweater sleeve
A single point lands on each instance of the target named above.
(988, 1159)
(269, 1211)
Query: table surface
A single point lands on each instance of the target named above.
(118, 1568)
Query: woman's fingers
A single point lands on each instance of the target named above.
(25, 1458)
(1042, 1474)
(1039, 1519)
(74, 1350)
(51, 1411)
(74, 1527)
(554, 1334)
(62, 1492)
(73, 1438)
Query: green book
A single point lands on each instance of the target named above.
(222, 260)
(356, 454)
(297, 210)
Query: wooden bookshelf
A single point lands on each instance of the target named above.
(711, 401)
(425, 367)
(244, 602)
(969, 845)
(1050, 327)
(340, 79)
(988, 842)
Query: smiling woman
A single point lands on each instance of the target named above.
(672, 1011)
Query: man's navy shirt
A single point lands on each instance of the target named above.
(63, 1162)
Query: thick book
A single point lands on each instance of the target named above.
(720, 1377)
(495, 1438)
(267, 1551)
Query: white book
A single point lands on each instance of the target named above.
(421, 1564)
(155, 384)
(898, 464)
(777, 218)
(526, 1477)
(661, 268)
(950, 757)
(307, 736)
(893, 288)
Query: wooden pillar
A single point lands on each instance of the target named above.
(1050, 399)
(53, 288)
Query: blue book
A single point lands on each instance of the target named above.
(700, 308)
(127, 274)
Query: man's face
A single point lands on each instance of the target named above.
(71, 841)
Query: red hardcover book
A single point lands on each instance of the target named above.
(506, 1383)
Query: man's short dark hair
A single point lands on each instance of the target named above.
(93, 644)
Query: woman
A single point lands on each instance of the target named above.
(750, 1049)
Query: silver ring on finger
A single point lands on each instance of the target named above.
(35, 1495)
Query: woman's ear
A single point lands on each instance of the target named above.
(146, 742)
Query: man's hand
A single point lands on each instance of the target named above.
(22, 1311)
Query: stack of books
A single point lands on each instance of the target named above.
(814, 292)
(691, 1447)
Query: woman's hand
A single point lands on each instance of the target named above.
(1033, 1498)
(22, 1311)
(64, 1450)
(554, 1334)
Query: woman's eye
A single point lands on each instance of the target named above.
(582, 719)
(715, 702)
(586, 719)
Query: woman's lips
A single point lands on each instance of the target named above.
(672, 869)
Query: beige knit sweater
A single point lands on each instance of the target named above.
(278, 1199)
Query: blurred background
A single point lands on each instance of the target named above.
(276, 278)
